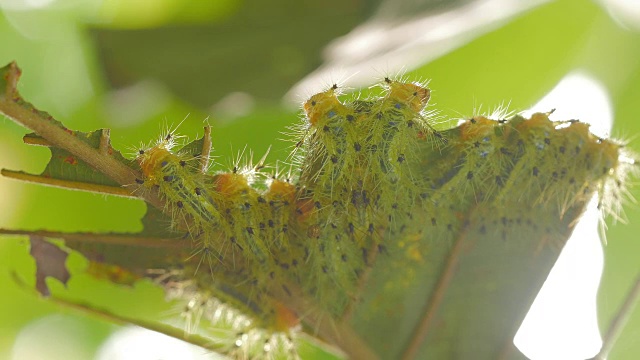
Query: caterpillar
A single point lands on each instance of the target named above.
(357, 181)
(379, 210)
(185, 191)
(376, 184)
(245, 236)
(226, 220)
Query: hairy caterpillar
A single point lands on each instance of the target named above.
(357, 182)
(497, 186)
(232, 226)
(382, 221)
(368, 169)
(378, 201)
(248, 239)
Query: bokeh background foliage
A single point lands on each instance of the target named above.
(132, 65)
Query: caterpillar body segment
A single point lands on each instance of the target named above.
(280, 199)
(184, 189)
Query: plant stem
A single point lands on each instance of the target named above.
(25, 114)
(618, 323)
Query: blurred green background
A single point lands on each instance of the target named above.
(134, 66)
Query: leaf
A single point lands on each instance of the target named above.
(101, 159)
(269, 45)
(476, 271)
(67, 171)
(438, 236)
(66, 166)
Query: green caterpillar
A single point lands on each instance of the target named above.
(377, 184)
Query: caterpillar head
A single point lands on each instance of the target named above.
(152, 159)
(414, 95)
(322, 104)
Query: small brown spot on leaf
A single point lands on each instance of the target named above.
(71, 160)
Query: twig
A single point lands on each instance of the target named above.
(25, 114)
(112, 239)
(68, 184)
(206, 150)
(618, 323)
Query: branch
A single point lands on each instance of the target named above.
(618, 323)
(68, 184)
(23, 113)
(110, 239)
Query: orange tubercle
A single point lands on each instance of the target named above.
(153, 158)
(415, 95)
(323, 103)
(285, 318)
(476, 127)
(283, 189)
(230, 183)
(537, 121)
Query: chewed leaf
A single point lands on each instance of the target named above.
(155, 247)
(50, 262)
(385, 226)
(66, 166)
(68, 171)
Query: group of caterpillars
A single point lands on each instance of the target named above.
(373, 179)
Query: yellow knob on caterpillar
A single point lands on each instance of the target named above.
(153, 159)
(282, 189)
(414, 95)
(231, 183)
(323, 104)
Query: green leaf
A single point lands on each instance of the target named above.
(268, 46)
(485, 190)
